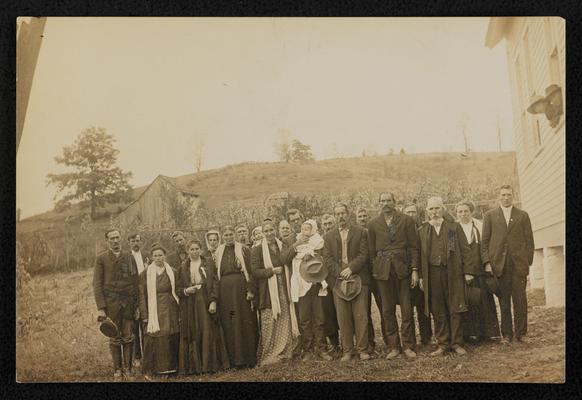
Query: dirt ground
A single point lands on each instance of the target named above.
(58, 340)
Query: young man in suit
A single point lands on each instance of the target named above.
(176, 258)
(345, 253)
(115, 286)
(139, 262)
(507, 249)
(393, 247)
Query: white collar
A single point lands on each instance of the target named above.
(507, 209)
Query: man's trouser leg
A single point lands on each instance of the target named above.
(360, 318)
(406, 328)
(438, 304)
(346, 325)
(389, 295)
(306, 307)
(505, 288)
(519, 299)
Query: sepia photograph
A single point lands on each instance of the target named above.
(277, 199)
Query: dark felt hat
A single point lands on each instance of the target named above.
(313, 270)
(348, 289)
(108, 328)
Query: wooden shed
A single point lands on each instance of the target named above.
(163, 204)
(536, 57)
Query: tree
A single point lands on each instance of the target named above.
(402, 151)
(282, 146)
(95, 178)
(301, 152)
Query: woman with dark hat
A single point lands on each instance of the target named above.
(159, 310)
(480, 322)
(236, 292)
(201, 339)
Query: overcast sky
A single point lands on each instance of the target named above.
(339, 85)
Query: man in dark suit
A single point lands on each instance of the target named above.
(345, 254)
(115, 286)
(138, 263)
(331, 326)
(416, 295)
(446, 265)
(362, 219)
(393, 247)
(176, 258)
(507, 249)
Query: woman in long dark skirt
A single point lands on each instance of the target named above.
(237, 290)
(201, 339)
(480, 322)
(159, 309)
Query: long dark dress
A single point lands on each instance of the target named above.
(160, 348)
(202, 346)
(239, 321)
(480, 321)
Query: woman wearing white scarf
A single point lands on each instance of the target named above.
(480, 322)
(279, 327)
(202, 346)
(212, 238)
(309, 296)
(159, 307)
(237, 290)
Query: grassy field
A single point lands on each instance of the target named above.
(58, 340)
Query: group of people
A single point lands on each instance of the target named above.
(292, 290)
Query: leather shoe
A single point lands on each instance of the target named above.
(409, 353)
(460, 351)
(364, 356)
(392, 354)
(346, 357)
(438, 352)
(324, 356)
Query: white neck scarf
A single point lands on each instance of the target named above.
(138, 261)
(274, 290)
(153, 322)
(238, 253)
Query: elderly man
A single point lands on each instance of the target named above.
(416, 295)
(393, 246)
(115, 285)
(139, 263)
(180, 254)
(507, 250)
(345, 253)
(446, 266)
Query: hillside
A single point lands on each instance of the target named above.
(249, 182)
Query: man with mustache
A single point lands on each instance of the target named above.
(115, 285)
(447, 265)
(393, 247)
(327, 223)
(242, 235)
(362, 220)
